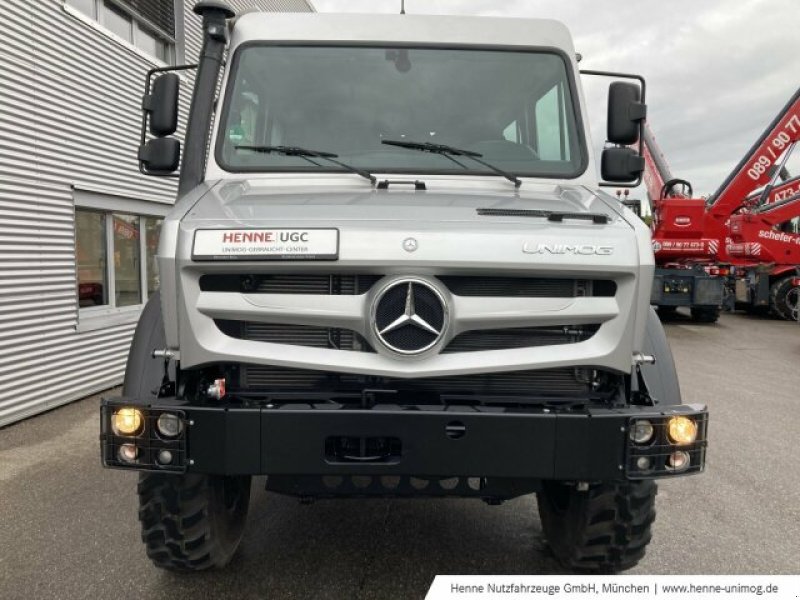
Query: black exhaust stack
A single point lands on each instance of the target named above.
(215, 37)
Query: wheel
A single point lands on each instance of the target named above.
(189, 522)
(192, 522)
(784, 299)
(603, 529)
(705, 314)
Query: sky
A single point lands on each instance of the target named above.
(717, 71)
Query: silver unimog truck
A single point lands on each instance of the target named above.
(390, 271)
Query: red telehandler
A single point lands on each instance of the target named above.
(739, 234)
(765, 247)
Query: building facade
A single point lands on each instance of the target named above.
(79, 224)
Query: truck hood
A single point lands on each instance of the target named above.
(455, 227)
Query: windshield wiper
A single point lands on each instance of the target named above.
(309, 155)
(450, 152)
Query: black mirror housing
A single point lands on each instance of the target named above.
(625, 113)
(162, 105)
(621, 165)
(160, 156)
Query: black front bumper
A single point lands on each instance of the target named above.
(587, 445)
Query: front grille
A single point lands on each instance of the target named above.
(566, 382)
(460, 285)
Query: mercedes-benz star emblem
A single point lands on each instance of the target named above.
(410, 244)
(409, 316)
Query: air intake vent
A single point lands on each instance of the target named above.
(289, 283)
(549, 382)
(460, 285)
(294, 335)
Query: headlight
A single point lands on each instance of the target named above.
(641, 432)
(682, 430)
(169, 425)
(127, 421)
(128, 453)
(678, 461)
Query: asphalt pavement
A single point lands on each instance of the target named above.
(68, 528)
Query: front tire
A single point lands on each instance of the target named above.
(604, 529)
(705, 314)
(189, 522)
(192, 522)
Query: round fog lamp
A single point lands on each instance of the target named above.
(643, 463)
(128, 453)
(169, 425)
(127, 421)
(678, 461)
(641, 432)
(682, 430)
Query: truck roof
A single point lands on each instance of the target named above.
(402, 29)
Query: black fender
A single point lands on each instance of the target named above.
(661, 378)
(143, 373)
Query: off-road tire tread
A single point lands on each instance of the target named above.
(777, 298)
(610, 530)
(177, 532)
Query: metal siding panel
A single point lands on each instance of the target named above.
(69, 116)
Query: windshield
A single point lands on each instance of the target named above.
(513, 108)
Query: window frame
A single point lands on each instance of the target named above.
(571, 80)
(90, 318)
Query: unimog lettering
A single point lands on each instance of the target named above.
(583, 250)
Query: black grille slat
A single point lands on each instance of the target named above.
(460, 285)
(555, 382)
(345, 339)
(299, 335)
(289, 283)
(517, 338)
(293, 335)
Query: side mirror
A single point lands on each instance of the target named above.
(621, 165)
(161, 104)
(625, 113)
(160, 156)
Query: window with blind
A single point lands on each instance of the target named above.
(147, 24)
